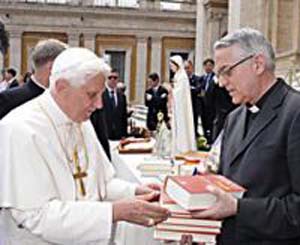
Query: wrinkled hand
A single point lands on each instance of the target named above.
(225, 206)
(139, 211)
(147, 189)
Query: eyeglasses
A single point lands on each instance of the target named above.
(113, 77)
(226, 72)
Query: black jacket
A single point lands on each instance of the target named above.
(209, 112)
(12, 98)
(13, 84)
(116, 118)
(99, 124)
(223, 106)
(197, 99)
(267, 163)
(158, 103)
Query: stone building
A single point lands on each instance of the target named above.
(138, 37)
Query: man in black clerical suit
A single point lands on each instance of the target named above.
(208, 95)
(260, 147)
(43, 56)
(197, 100)
(10, 76)
(115, 108)
(156, 99)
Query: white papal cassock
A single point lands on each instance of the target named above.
(40, 201)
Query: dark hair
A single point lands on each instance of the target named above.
(173, 62)
(27, 77)
(114, 70)
(154, 76)
(12, 71)
(208, 60)
(190, 62)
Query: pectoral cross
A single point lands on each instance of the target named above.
(79, 174)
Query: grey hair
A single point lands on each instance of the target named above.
(46, 51)
(77, 66)
(251, 41)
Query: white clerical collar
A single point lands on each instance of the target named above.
(56, 113)
(253, 108)
(37, 83)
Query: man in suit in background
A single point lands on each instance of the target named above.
(42, 57)
(208, 87)
(260, 148)
(115, 108)
(223, 106)
(10, 77)
(156, 99)
(99, 123)
(197, 100)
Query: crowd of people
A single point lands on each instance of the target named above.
(57, 183)
(207, 102)
(200, 101)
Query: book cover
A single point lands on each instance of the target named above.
(134, 146)
(191, 193)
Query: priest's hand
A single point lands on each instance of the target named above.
(225, 206)
(139, 211)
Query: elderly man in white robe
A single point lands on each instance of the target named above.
(56, 184)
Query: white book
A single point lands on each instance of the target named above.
(193, 222)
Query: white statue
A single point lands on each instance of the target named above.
(162, 147)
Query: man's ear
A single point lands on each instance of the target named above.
(260, 64)
(61, 85)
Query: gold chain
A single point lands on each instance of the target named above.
(69, 159)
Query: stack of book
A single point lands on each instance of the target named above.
(181, 223)
(185, 194)
(136, 145)
(156, 167)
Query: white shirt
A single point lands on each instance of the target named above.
(37, 188)
(11, 80)
(114, 93)
(3, 85)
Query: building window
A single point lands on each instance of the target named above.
(116, 59)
